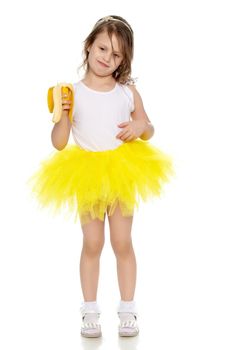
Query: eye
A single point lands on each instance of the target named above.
(116, 55)
(101, 48)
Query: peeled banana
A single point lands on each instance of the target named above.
(54, 100)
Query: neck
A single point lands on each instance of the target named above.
(99, 81)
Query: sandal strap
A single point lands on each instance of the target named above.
(83, 312)
(135, 314)
(127, 321)
(88, 325)
(128, 324)
(91, 321)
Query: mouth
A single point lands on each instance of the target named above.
(103, 64)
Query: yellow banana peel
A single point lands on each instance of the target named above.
(54, 100)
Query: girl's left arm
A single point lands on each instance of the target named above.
(140, 114)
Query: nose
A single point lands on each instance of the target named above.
(107, 56)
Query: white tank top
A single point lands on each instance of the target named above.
(97, 114)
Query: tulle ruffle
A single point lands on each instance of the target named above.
(88, 183)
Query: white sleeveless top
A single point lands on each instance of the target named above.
(97, 113)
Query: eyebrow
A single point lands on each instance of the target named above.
(106, 48)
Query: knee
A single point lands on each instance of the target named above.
(93, 247)
(121, 248)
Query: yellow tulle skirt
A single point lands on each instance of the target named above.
(87, 184)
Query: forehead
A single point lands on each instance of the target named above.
(103, 38)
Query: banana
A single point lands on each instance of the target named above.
(54, 100)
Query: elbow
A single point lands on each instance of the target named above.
(145, 138)
(148, 134)
(58, 145)
(60, 148)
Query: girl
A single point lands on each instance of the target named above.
(108, 169)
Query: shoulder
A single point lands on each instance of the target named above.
(139, 111)
(136, 96)
(75, 84)
(134, 90)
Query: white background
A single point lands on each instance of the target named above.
(183, 242)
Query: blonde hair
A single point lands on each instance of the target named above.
(124, 33)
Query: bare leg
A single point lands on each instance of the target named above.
(93, 242)
(121, 241)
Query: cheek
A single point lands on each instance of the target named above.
(116, 61)
(120, 60)
(92, 56)
(92, 52)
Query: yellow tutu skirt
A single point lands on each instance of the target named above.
(90, 183)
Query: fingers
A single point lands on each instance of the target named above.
(65, 107)
(66, 104)
(125, 135)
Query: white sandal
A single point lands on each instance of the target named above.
(128, 324)
(91, 327)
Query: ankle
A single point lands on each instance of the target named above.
(127, 306)
(90, 307)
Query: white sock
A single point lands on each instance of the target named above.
(88, 306)
(127, 306)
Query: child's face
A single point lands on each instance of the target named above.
(102, 60)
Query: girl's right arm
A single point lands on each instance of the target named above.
(61, 130)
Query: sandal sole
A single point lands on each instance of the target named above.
(127, 334)
(94, 335)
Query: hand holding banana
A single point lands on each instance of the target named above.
(60, 99)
